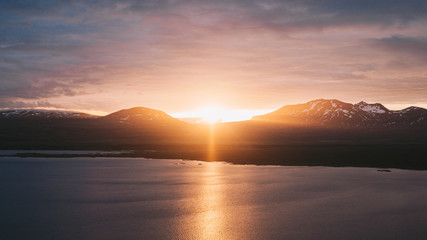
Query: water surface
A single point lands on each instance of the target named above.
(120, 198)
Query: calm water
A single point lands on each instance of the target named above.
(114, 198)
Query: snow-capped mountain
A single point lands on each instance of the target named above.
(140, 114)
(40, 114)
(337, 113)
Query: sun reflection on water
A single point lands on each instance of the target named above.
(210, 220)
(211, 153)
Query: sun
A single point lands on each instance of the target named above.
(212, 114)
(216, 114)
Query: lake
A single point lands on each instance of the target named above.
(134, 198)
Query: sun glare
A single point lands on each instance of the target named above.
(212, 114)
(215, 114)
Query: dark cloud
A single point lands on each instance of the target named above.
(34, 89)
(372, 10)
(5, 103)
(404, 46)
(351, 10)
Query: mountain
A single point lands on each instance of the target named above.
(55, 129)
(154, 134)
(141, 115)
(41, 114)
(323, 112)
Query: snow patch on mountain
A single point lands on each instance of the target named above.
(373, 109)
(313, 105)
(408, 109)
(42, 113)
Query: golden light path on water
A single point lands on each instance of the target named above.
(211, 143)
(211, 220)
(212, 208)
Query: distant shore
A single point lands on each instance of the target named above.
(376, 156)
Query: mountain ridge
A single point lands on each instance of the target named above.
(332, 112)
(319, 112)
(42, 113)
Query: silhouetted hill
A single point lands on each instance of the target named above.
(138, 113)
(142, 117)
(122, 128)
(335, 113)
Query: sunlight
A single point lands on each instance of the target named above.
(214, 114)
(211, 220)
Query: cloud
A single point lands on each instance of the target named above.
(29, 104)
(85, 50)
(415, 47)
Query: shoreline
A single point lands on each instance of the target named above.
(374, 156)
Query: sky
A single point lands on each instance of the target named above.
(180, 56)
